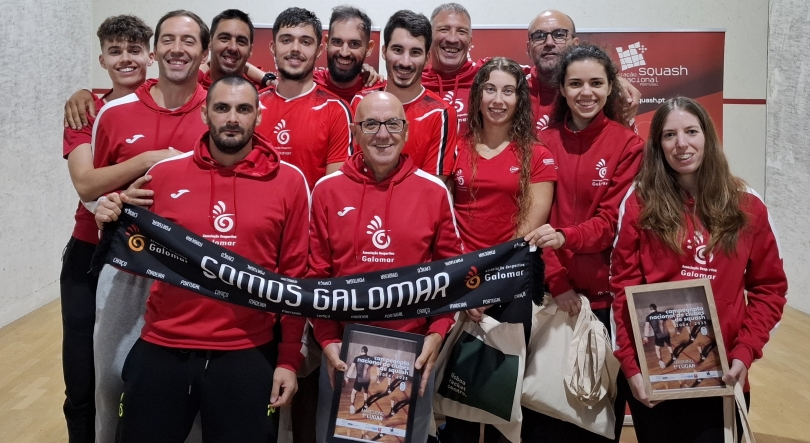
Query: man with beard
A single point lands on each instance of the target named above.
(432, 141)
(199, 354)
(161, 114)
(349, 43)
(549, 34)
(308, 124)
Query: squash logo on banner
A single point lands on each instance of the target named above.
(633, 56)
(473, 280)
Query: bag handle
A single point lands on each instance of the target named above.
(730, 417)
(587, 376)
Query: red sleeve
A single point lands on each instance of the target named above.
(447, 243)
(292, 261)
(556, 275)
(103, 153)
(320, 265)
(597, 233)
(73, 138)
(625, 270)
(766, 284)
(543, 167)
(340, 138)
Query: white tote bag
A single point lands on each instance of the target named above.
(479, 373)
(571, 371)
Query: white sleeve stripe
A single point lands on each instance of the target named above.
(348, 113)
(306, 187)
(621, 212)
(442, 143)
(176, 157)
(129, 98)
(425, 175)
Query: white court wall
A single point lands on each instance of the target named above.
(788, 160)
(45, 51)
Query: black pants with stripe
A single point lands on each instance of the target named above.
(78, 296)
(164, 388)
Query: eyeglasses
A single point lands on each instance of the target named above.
(372, 126)
(558, 35)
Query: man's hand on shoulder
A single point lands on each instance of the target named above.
(77, 107)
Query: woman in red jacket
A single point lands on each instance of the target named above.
(597, 158)
(504, 184)
(684, 211)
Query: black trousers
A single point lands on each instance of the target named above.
(78, 296)
(164, 388)
(692, 420)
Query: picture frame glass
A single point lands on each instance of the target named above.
(678, 339)
(376, 397)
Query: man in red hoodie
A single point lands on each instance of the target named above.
(200, 354)
(365, 218)
(161, 114)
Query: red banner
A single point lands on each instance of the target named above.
(660, 64)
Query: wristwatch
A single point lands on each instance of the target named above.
(268, 78)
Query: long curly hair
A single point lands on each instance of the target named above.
(581, 52)
(719, 193)
(521, 132)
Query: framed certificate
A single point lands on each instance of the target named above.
(375, 398)
(678, 339)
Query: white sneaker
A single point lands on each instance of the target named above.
(662, 364)
(351, 409)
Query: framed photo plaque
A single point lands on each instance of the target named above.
(375, 398)
(678, 339)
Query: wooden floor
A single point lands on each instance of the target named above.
(32, 390)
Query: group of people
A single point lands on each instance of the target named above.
(320, 171)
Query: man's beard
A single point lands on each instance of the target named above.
(230, 145)
(296, 76)
(340, 74)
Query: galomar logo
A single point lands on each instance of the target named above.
(601, 167)
(450, 98)
(380, 239)
(472, 280)
(136, 241)
(222, 222)
(282, 134)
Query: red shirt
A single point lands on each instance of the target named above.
(322, 77)
(488, 216)
(134, 124)
(753, 271)
(454, 88)
(309, 131)
(257, 208)
(543, 97)
(431, 131)
(204, 79)
(85, 228)
(362, 225)
(596, 166)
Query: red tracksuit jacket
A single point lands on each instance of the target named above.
(543, 97)
(595, 167)
(361, 225)
(455, 89)
(256, 208)
(640, 257)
